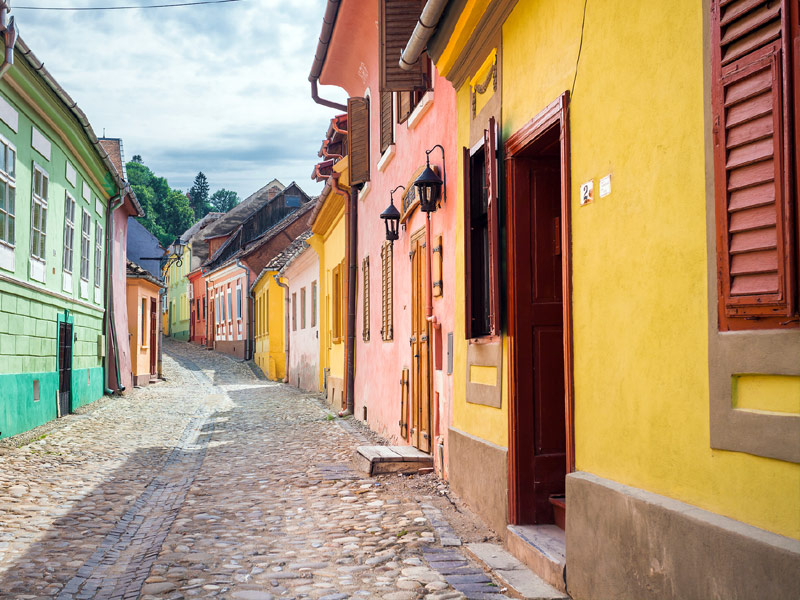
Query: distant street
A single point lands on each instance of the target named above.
(212, 484)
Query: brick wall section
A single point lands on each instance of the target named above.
(259, 258)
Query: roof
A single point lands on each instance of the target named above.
(143, 248)
(279, 226)
(134, 271)
(187, 235)
(286, 256)
(244, 210)
(113, 148)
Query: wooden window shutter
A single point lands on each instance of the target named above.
(387, 134)
(358, 134)
(755, 204)
(467, 245)
(365, 278)
(386, 292)
(397, 21)
(403, 106)
(490, 143)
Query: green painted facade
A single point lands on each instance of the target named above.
(178, 296)
(34, 294)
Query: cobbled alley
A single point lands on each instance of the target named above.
(214, 483)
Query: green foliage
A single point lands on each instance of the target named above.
(223, 200)
(167, 211)
(198, 196)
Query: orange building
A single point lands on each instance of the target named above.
(143, 291)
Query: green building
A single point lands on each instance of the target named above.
(57, 185)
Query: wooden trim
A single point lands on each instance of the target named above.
(465, 154)
(555, 114)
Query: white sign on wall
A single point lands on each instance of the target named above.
(605, 186)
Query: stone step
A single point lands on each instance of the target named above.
(375, 460)
(543, 549)
(518, 578)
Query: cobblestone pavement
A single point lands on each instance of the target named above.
(213, 484)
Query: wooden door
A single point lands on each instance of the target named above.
(153, 336)
(420, 417)
(64, 368)
(539, 336)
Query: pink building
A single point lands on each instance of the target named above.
(395, 341)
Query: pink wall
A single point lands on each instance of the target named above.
(231, 335)
(119, 245)
(304, 341)
(197, 323)
(352, 63)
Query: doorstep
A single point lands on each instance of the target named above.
(375, 460)
(517, 577)
(543, 549)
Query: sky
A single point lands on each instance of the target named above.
(221, 89)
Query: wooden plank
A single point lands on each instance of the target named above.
(409, 453)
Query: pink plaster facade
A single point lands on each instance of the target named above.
(353, 64)
(302, 276)
(228, 310)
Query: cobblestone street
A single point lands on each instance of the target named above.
(213, 484)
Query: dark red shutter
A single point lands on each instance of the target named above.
(358, 133)
(467, 245)
(397, 21)
(755, 204)
(387, 134)
(490, 145)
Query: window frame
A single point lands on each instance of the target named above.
(42, 201)
(314, 294)
(387, 292)
(8, 183)
(336, 301)
(86, 243)
(302, 307)
(144, 342)
(68, 259)
(365, 307)
(294, 311)
(98, 254)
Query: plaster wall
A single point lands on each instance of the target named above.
(198, 284)
(639, 255)
(230, 334)
(353, 63)
(119, 242)
(140, 350)
(304, 341)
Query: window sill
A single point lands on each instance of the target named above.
(486, 339)
(364, 191)
(386, 157)
(420, 110)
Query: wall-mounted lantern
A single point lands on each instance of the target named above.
(429, 185)
(391, 217)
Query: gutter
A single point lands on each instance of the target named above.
(328, 21)
(277, 279)
(426, 25)
(9, 38)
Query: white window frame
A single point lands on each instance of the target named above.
(98, 253)
(41, 201)
(69, 233)
(86, 242)
(8, 189)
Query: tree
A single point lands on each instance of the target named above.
(198, 196)
(137, 158)
(223, 200)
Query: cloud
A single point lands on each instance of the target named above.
(221, 89)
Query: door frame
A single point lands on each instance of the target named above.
(556, 114)
(66, 318)
(416, 385)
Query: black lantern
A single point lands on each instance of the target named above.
(429, 184)
(391, 217)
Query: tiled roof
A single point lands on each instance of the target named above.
(113, 147)
(134, 271)
(286, 256)
(242, 211)
(187, 235)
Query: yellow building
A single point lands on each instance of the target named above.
(634, 342)
(270, 327)
(328, 241)
(143, 299)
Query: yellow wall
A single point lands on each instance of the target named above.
(270, 327)
(639, 255)
(329, 246)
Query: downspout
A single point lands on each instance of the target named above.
(285, 286)
(247, 354)
(109, 293)
(208, 302)
(351, 234)
(426, 25)
(9, 38)
(328, 21)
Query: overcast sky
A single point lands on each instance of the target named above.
(221, 89)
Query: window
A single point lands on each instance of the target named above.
(205, 307)
(239, 302)
(294, 311)
(69, 232)
(407, 102)
(365, 279)
(302, 308)
(41, 183)
(144, 340)
(230, 305)
(266, 312)
(98, 254)
(8, 191)
(755, 165)
(336, 303)
(387, 121)
(313, 303)
(216, 310)
(86, 243)
(387, 332)
(481, 248)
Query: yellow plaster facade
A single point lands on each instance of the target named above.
(641, 371)
(270, 315)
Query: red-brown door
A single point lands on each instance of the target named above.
(420, 418)
(539, 336)
(153, 337)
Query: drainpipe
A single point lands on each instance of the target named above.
(9, 37)
(247, 354)
(162, 294)
(422, 33)
(328, 21)
(351, 235)
(208, 302)
(285, 286)
(108, 322)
